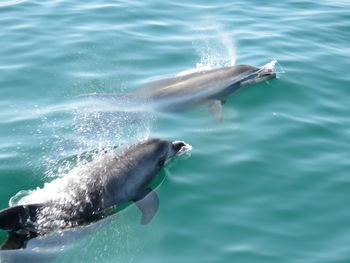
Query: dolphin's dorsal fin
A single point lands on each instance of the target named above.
(148, 203)
(20, 217)
(215, 108)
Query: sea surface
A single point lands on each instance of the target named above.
(270, 183)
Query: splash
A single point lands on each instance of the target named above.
(215, 47)
(100, 129)
(90, 126)
(66, 197)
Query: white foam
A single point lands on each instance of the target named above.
(270, 65)
(185, 150)
(64, 194)
(273, 65)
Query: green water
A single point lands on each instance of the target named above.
(268, 184)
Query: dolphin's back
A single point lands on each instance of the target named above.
(181, 93)
(203, 83)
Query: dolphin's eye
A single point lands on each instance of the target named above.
(161, 163)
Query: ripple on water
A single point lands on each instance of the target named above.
(12, 2)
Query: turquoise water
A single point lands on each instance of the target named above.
(268, 184)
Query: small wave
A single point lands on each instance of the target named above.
(13, 2)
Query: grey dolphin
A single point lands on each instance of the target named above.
(209, 87)
(107, 182)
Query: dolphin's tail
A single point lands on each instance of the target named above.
(20, 218)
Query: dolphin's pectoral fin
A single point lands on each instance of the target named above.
(215, 108)
(148, 203)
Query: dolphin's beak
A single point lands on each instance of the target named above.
(268, 71)
(179, 148)
(267, 74)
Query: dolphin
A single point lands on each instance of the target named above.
(210, 88)
(90, 192)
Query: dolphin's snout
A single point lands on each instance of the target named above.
(177, 146)
(268, 71)
(266, 74)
